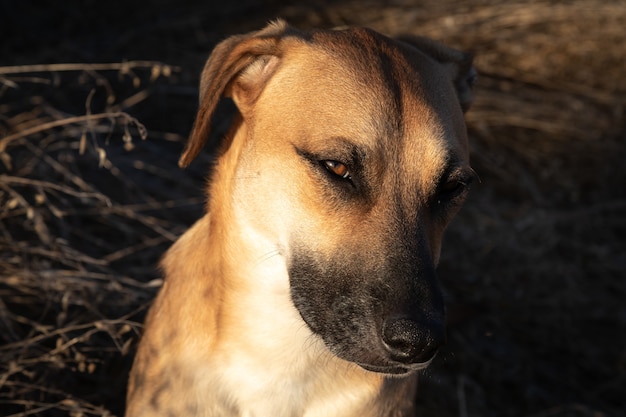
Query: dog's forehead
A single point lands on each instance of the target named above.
(385, 94)
(394, 105)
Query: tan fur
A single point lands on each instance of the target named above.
(223, 337)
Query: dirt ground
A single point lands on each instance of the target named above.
(533, 268)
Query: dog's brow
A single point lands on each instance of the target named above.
(455, 169)
(355, 153)
(335, 148)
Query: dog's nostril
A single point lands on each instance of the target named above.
(409, 341)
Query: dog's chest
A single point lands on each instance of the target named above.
(283, 393)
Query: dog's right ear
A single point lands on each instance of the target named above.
(239, 67)
(459, 63)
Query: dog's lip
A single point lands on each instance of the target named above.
(394, 369)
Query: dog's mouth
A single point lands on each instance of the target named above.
(387, 363)
(395, 369)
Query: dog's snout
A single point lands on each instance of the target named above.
(410, 341)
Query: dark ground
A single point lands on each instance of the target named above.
(533, 267)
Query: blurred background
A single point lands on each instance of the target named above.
(97, 99)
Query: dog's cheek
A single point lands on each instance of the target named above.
(312, 292)
(333, 307)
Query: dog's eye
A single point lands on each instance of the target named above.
(453, 188)
(337, 168)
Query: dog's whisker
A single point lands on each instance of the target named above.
(267, 256)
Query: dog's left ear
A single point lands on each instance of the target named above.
(239, 68)
(459, 63)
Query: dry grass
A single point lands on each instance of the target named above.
(534, 267)
(81, 232)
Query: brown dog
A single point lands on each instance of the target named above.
(309, 287)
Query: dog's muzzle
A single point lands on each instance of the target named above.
(366, 319)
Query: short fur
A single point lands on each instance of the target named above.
(309, 286)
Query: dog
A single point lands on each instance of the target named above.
(309, 288)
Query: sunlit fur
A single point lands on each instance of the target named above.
(228, 334)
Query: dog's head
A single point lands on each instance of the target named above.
(348, 158)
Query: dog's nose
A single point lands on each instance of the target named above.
(410, 341)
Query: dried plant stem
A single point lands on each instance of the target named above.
(116, 66)
(7, 179)
(72, 120)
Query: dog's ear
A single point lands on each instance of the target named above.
(460, 64)
(239, 68)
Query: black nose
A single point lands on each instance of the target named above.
(410, 341)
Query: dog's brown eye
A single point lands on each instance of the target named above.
(337, 168)
(453, 187)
